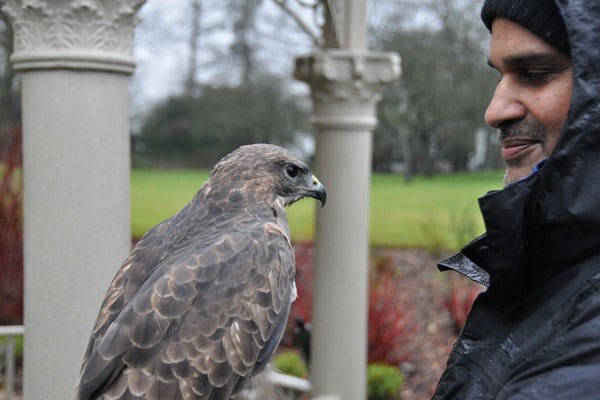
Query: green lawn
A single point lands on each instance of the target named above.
(429, 212)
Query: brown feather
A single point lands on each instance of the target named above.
(200, 304)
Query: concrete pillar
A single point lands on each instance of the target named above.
(345, 80)
(75, 58)
(344, 87)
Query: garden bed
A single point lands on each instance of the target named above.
(432, 305)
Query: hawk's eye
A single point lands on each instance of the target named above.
(292, 171)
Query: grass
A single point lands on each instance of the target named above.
(158, 194)
(411, 214)
(415, 214)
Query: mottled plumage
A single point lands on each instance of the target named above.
(201, 303)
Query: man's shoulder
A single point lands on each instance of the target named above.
(510, 351)
(562, 358)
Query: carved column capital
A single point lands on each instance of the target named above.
(345, 85)
(73, 34)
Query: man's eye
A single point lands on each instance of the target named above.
(535, 77)
(538, 77)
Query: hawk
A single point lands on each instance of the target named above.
(201, 303)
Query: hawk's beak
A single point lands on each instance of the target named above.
(317, 191)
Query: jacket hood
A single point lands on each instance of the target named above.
(566, 206)
(538, 227)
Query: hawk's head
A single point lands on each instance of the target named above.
(266, 171)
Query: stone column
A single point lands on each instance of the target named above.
(75, 58)
(344, 86)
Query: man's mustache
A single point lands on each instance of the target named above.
(523, 128)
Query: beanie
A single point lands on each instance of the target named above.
(540, 17)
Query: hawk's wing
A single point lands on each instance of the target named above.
(206, 318)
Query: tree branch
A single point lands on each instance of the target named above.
(301, 23)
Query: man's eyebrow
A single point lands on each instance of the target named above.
(532, 59)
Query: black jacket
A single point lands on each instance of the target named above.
(535, 332)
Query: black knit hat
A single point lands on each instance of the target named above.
(540, 17)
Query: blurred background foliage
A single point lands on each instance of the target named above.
(231, 83)
(197, 130)
(213, 75)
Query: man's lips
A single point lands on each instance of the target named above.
(516, 147)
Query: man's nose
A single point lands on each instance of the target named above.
(506, 106)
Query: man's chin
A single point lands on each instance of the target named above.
(521, 164)
(515, 174)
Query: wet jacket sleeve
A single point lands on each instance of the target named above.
(568, 367)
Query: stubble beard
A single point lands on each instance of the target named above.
(521, 167)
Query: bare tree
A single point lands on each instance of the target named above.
(191, 82)
(434, 111)
(315, 37)
(244, 26)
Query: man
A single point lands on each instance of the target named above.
(535, 332)
(533, 95)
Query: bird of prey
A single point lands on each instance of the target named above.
(201, 303)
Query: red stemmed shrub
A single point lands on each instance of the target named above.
(461, 295)
(302, 307)
(391, 321)
(11, 227)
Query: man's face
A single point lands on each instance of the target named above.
(532, 98)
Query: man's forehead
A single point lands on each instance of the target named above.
(512, 44)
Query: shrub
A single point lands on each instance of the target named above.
(390, 319)
(302, 306)
(461, 295)
(439, 233)
(383, 382)
(433, 234)
(18, 347)
(11, 227)
(463, 225)
(291, 363)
